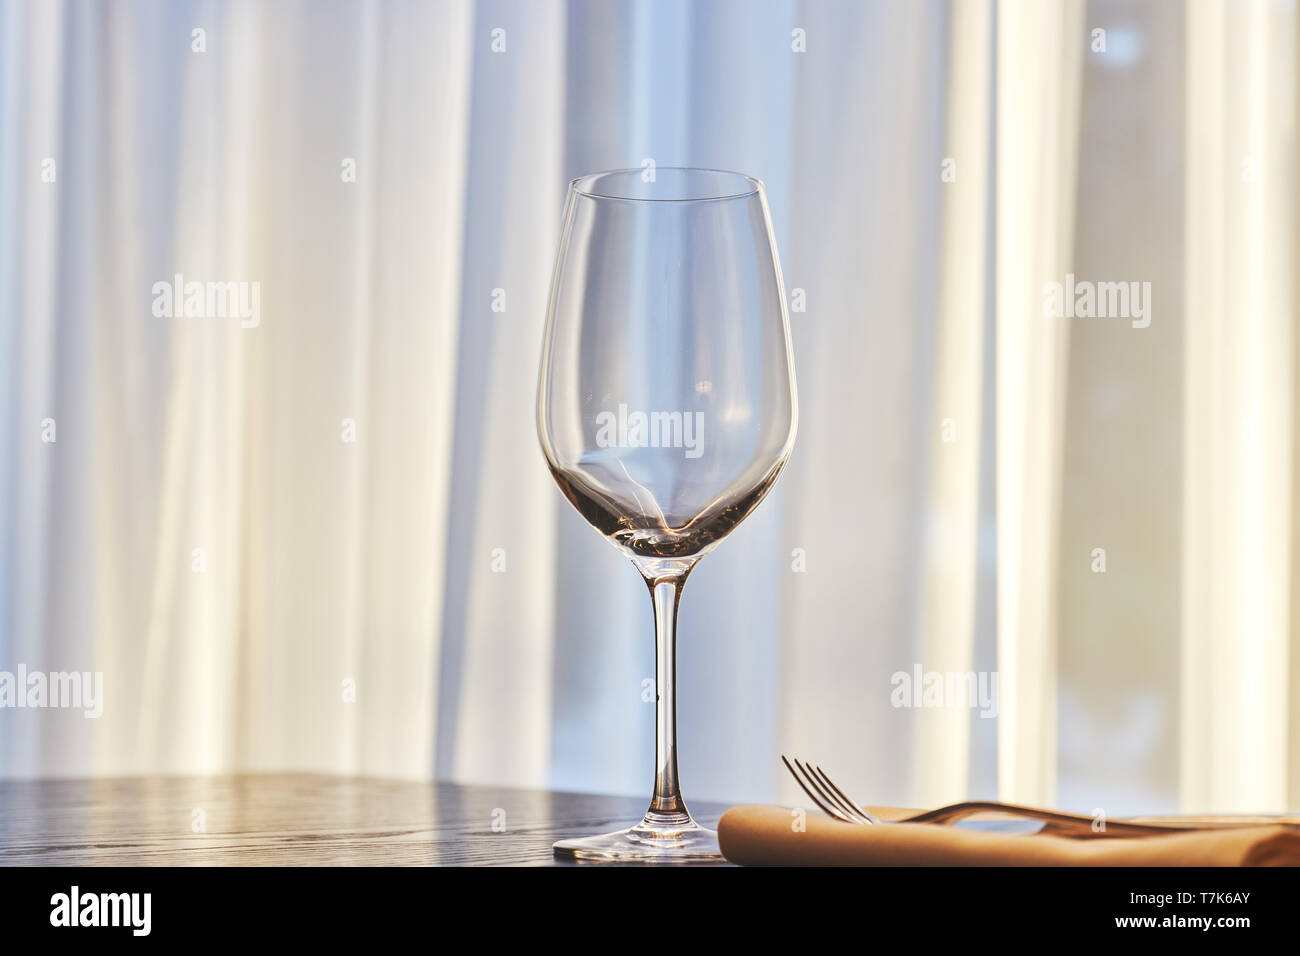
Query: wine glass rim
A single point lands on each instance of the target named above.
(577, 185)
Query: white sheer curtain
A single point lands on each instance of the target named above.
(1239, 471)
(329, 541)
(200, 531)
(1040, 54)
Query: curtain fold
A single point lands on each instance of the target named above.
(1239, 406)
(864, 218)
(948, 594)
(501, 579)
(37, 391)
(1040, 55)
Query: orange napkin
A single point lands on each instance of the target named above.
(770, 836)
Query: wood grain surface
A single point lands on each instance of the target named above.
(295, 820)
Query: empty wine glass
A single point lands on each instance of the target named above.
(665, 406)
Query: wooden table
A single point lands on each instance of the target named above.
(296, 819)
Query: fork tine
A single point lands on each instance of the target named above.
(813, 794)
(834, 793)
(843, 796)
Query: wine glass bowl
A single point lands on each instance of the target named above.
(666, 402)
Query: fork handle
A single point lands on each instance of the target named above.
(1067, 823)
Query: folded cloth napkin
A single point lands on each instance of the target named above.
(771, 836)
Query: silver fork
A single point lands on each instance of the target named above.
(823, 791)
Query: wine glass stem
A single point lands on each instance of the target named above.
(667, 803)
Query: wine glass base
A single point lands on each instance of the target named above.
(647, 842)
